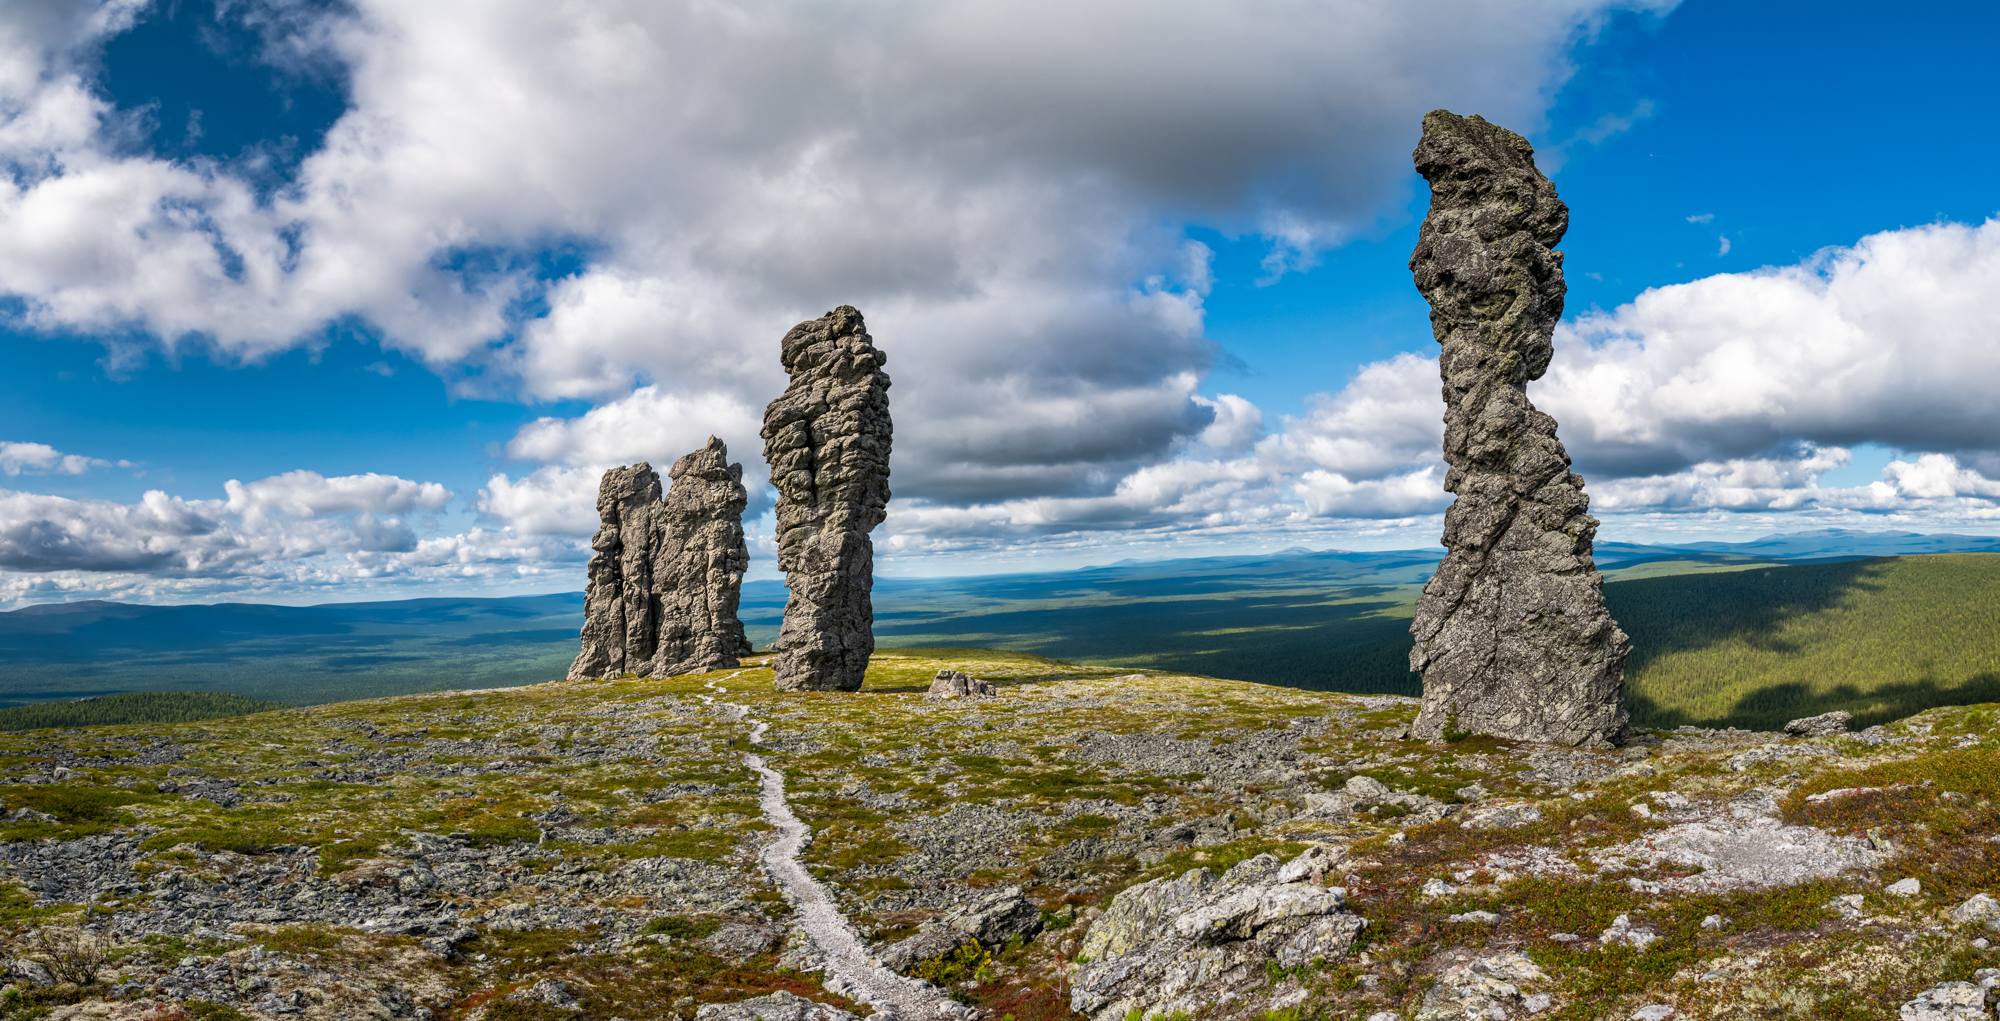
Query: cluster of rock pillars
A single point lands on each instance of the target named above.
(1512, 635)
(667, 572)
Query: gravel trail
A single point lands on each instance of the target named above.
(850, 970)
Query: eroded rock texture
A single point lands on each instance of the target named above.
(668, 573)
(827, 439)
(1512, 635)
(1181, 945)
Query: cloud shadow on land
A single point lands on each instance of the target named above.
(1298, 641)
(1681, 613)
(1882, 639)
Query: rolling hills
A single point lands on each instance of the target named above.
(1741, 634)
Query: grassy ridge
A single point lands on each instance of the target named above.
(1356, 640)
(1881, 639)
(1745, 644)
(134, 707)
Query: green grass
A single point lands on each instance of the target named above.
(1882, 639)
(79, 811)
(134, 707)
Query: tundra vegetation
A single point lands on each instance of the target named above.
(1718, 642)
(588, 850)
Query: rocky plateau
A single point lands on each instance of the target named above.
(998, 837)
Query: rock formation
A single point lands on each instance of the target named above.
(1512, 636)
(950, 684)
(827, 439)
(1182, 945)
(1823, 725)
(667, 574)
(991, 919)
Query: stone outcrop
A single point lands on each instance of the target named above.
(1502, 985)
(1512, 636)
(950, 684)
(827, 439)
(1199, 941)
(778, 1006)
(991, 920)
(668, 572)
(1823, 725)
(1947, 1001)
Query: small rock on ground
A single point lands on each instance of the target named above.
(779, 1006)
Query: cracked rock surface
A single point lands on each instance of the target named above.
(1512, 636)
(827, 439)
(1179, 945)
(667, 573)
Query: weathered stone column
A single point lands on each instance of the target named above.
(699, 564)
(827, 439)
(668, 574)
(1512, 636)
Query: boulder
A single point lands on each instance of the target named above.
(1623, 933)
(1980, 910)
(1198, 940)
(951, 684)
(779, 1006)
(1512, 635)
(991, 919)
(827, 439)
(551, 992)
(1500, 817)
(32, 973)
(1486, 987)
(1947, 1001)
(1366, 790)
(1823, 725)
(738, 941)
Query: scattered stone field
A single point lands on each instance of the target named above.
(1082, 843)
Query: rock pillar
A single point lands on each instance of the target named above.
(827, 439)
(1512, 636)
(668, 573)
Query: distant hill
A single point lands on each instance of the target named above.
(1882, 639)
(1327, 620)
(296, 654)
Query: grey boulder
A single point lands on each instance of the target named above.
(779, 1006)
(1979, 910)
(1947, 1001)
(990, 920)
(1196, 941)
(950, 684)
(1823, 725)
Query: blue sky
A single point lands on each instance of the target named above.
(409, 277)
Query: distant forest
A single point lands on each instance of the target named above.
(133, 707)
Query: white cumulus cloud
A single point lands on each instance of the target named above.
(16, 458)
(1002, 186)
(1889, 340)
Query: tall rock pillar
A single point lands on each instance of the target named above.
(667, 574)
(1512, 636)
(827, 439)
(699, 563)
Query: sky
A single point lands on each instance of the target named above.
(309, 302)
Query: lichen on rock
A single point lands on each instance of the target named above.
(1199, 941)
(1512, 635)
(950, 684)
(667, 574)
(827, 438)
